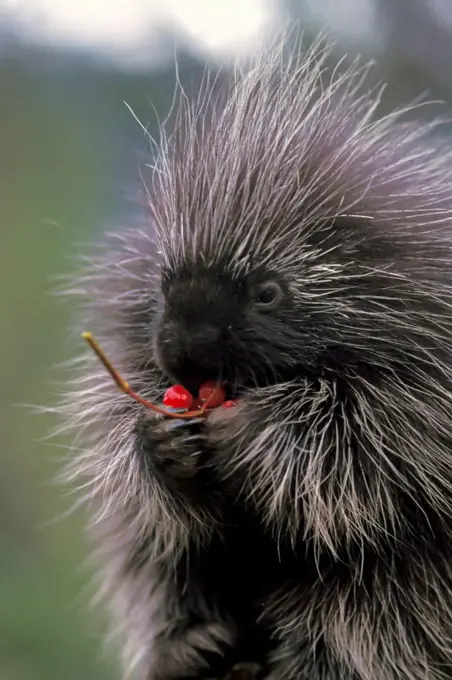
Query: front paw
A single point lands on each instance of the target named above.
(193, 652)
(244, 671)
(170, 448)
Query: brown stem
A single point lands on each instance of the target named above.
(125, 387)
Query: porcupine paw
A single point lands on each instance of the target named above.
(170, 447)
(193, 652)
(243, 671)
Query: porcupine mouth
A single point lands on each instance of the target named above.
(235, 389)
(234, 383)
(232, 390)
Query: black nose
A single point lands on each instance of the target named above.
(190, 352)
(200, 337)
(200, 346)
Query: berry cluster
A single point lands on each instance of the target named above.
(210, 396)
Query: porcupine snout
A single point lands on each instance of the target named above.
(193, 329)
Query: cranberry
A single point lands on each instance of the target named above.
(212, 394)
(178, 397)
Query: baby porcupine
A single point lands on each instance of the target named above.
(300, 252)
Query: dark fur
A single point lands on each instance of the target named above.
(309, 528)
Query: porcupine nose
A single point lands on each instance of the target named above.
(190, 351)
(201, 341)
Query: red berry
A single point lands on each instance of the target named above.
(229, 403)
(212, 394)
(178, 397)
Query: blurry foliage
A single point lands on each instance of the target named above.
(69, 157)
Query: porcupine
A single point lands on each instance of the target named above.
(298, 250)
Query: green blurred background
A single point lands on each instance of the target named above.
(70, 153)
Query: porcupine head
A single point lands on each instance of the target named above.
(296, 251)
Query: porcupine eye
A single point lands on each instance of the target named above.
(267, 296)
